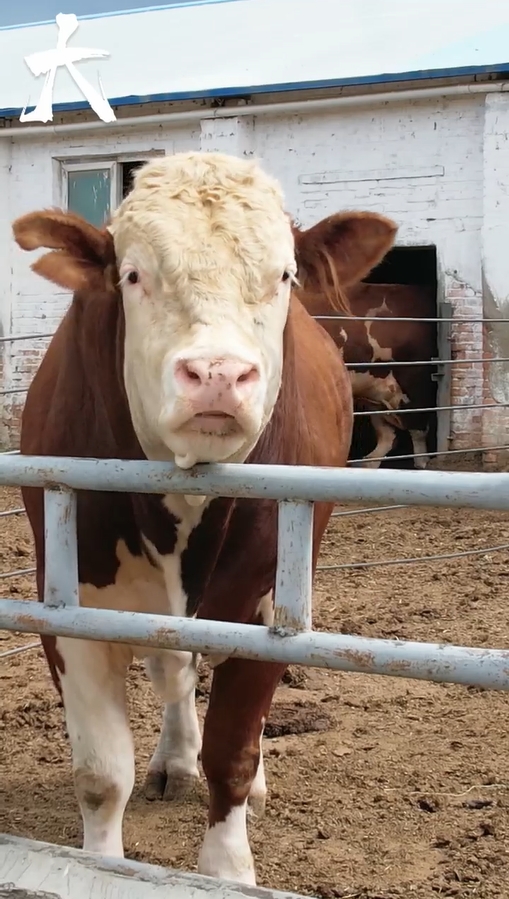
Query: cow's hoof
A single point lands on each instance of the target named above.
(180, 786)
(169, 787)
(155, 783)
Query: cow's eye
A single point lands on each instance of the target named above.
(133, 277)
(285, 277)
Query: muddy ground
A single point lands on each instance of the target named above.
(379, 787)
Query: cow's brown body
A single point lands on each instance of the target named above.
(77, 405)
(380, 387)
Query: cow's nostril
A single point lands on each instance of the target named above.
(215, 375)
(249, 376)
(187, 371)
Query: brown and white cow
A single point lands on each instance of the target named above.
(379, 340)
(183, 343)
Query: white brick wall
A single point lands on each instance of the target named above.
(36, 306)
(5, 268)
(420, 162)
(495, 251)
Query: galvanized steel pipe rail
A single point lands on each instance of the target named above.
(440, 663)
(299, 483)
(290, 640)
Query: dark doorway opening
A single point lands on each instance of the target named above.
(128, 171)
(415, 267)
(406, 265)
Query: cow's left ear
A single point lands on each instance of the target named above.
(80, 253)
(352, 243)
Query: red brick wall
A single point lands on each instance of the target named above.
(467, 378)
(28, 359)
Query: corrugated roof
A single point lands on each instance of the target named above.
(214, 48)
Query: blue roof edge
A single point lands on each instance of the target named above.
(161, 7)
(242, 91)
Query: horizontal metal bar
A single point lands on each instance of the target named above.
(13, 390)
(440, 663)
(17, 573)
(11, 512)
(416, 559)
(14, 337)
(410, 318)
(391, 364)
(458, 407)
(474, 449)
(448, 452)
(364, 511)
(19, 649)
(476, 490)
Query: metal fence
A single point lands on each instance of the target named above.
(290, 640)
(439, 363)
(444, 366)
(438, 410)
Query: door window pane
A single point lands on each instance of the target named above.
(89, 195)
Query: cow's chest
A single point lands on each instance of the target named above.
(150, 581)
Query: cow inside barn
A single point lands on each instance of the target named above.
(183, 342)
(379, 390)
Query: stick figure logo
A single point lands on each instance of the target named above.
(47, 63)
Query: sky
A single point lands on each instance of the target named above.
(23, 12)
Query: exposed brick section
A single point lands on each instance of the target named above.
(467, 377)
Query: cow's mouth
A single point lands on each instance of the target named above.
(220, 424)
(213, 415)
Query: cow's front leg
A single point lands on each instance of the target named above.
(385, 436)
(240, 700)
(173, 768)
(421, 458)
(93, 691)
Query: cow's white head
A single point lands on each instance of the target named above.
(205, 254)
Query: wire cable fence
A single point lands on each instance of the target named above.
(362, 367)
(359, 367)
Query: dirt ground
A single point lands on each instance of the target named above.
(378, 787)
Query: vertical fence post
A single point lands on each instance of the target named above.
(292, 601)
(61, 548)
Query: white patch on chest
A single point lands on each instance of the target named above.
(139, 586)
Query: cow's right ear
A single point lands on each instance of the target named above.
(79, 250)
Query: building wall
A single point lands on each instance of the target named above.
(36, 306)
(420, 163)
(423, 163)
(495, 270)
(5, 269)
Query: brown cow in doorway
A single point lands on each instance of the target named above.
(379, 340)
(184, 342)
